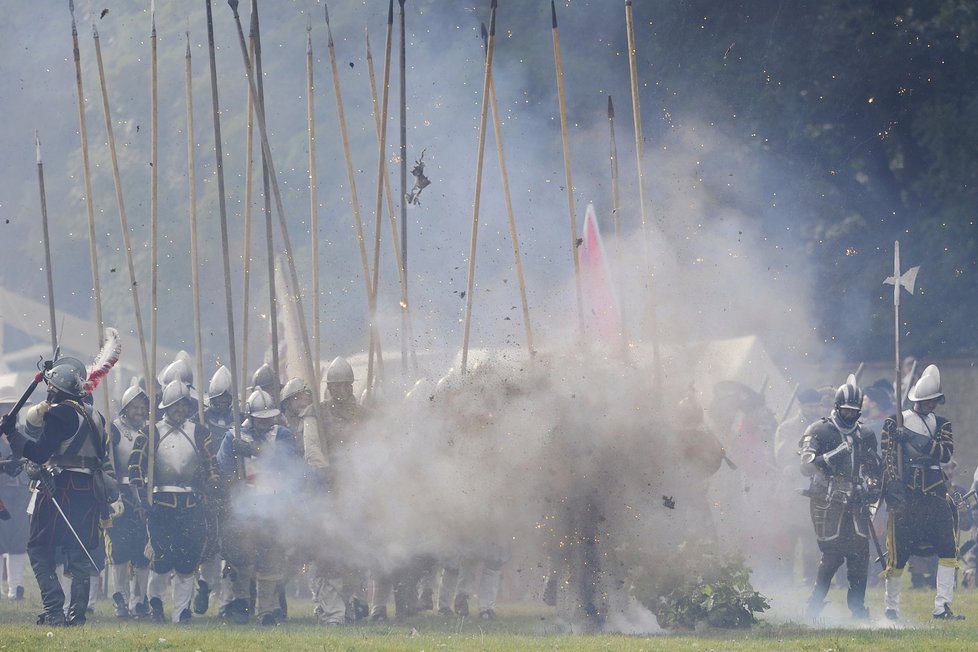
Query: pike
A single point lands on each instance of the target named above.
(898, 280)
(222, 203)
(259, 100)
(358, 223)
(639, 141)
(154, 234)
(562, 101)
(380, 122)
(89, 202)
(616, 209)
(313, 191)
(470, 283)
(249, 175)
(194, 245)
(517, 257)
(283, 227)
(120, 202)
(47, 243)
(402, 81)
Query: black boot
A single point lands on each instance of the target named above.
(121, 609)
(202, 599)
(156, 611)
(52, 596)
(78, 606)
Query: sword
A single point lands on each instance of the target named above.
(46, 478)
(881, 554)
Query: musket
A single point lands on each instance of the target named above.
(470, 283)
(859, 371)
(565, 139)
(222, 203)
(511, 220)
(9, 420)
(259, 100)
(12, 466)
(47, 243)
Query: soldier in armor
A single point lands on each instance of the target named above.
(184, 476)
(337, 588)
(840, 457)
(262, 467)
(180, 370)
(125, 541)
(265, 379)
(922, 516)
(68, 442)
(296, 405)
(218, 418)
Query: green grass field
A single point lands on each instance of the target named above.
(520, 627)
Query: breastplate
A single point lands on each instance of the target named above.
(123, 450)
(177, 461)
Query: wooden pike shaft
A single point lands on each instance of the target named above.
(473, 240)
(194, 244)
(154, 248)
(371, 299)
(120, 202)
(402, 81)
(249, 181)
(313, 200)
(89, 200)
(513, 236)
(380, 122)
(615, 190)
(259, 100)
(636, 118)
(565, 137)
(47, 245)
(222, 204)
(283, 227)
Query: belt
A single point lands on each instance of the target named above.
(169, 489)
(931, 467)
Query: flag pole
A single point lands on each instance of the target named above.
(517, 257)
(194, 245)
(380, 118)
(562, 100)
(259, 100)
(120, 202)
(47, 244)
(358, 223)
(248, 206)
(313, 198)
(222, 204)
(470, 283)
(154, 248)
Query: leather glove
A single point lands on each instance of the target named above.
(33, 470)
(36, 412)
(900, 434)
(242, 448)
(117, 508)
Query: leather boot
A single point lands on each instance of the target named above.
(78, 605)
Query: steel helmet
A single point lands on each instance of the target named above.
(174, 392)
(261, 405)
(220, 382)
(849, 395)
(130, 395)
(928, 387)
(293, 387)
(339, 371)
(263, 378)
(67, 375)
(180, 370)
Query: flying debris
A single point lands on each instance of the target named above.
(104, 13)
(420, 181)
(669, 502)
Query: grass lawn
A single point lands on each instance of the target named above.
(520, 627)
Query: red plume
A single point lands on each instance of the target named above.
(106, 359)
